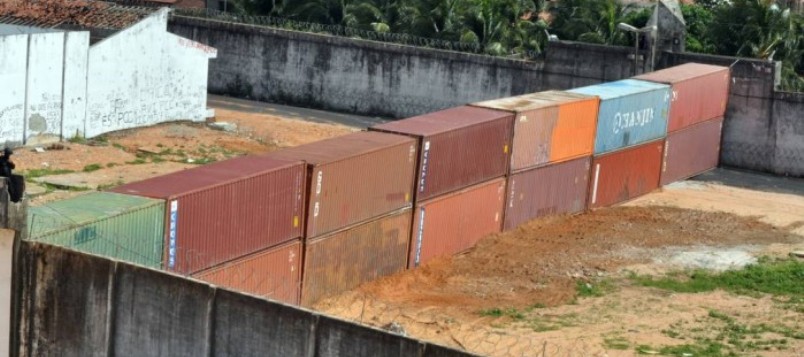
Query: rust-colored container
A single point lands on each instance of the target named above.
(459, 147)
(549, 126)
(626, 174)
(355, 177)
(274, 273)
(561, 188)
(343, 260)
(691, 151)
(455, 222)
(700, 92)
(225, 210)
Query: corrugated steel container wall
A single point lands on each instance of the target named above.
(123, 227)
(274, 273)
(631, 112)
(691, 151)
(460, 147)
(455, 222)
(343, 260)
(623, 175)
(561, 188)
(549, 126)
(356, 177)
(226, 210)
(700, 92)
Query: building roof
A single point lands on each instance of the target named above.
(87, 14)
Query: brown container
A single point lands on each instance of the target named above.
(274, 273)
(355, 177)
(343, 260)
(455, 222)
(459, 147)
(700, 92)
(626, 174)
(561, 188)
(549, 126)
(225, 210)
(691, 151)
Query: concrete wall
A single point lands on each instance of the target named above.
(74, 304)
(55, 85)
(763, 129)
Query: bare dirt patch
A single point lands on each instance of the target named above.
(516, 294)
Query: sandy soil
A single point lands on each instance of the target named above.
(137, 154)
(533, 272)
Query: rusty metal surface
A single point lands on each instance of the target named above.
(550, 126)
(459, 147)
(223, 211)
(700, 92)
(343, 260)
(561, 188)
(455, 222)
(691, 151)
(355, 177)
(274, 273)
(626, 174)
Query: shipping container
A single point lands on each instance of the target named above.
(455, 222)
(274, 273)
(549, 126)
(225, 210)
(355, 177)
(458, 147)
(626, 174)
(691, 151)
(631, 112)
(343, 260)
(561, 188)
(123, 227)
(700, 92)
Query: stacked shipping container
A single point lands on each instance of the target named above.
(550, 128)
(247, 223)
(464, 153)
(354, 180)
(699, 96)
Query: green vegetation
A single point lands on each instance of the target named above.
(747, 28)
(616, 343)
(594, 289)
(92, 167)
(34, 173)
(777, 277)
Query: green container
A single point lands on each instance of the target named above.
(123, 227)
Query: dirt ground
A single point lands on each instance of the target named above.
(68, 169)
(514, 294)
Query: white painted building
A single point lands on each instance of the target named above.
(55, 85)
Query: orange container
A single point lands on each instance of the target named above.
(550, 126)
(626, 174)
(455, 222)
(274, 273)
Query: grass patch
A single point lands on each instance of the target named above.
(92, 167)
(78, 139)
(34, 173)
(137, 161)
(51, 187)
(497, 312)
(593, 289)
(616, 343)
(782, 277)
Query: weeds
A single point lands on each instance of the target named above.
(593, 289)
(35, 173)
(616, 343)
(92, 167)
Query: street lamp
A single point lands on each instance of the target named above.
(628, 28)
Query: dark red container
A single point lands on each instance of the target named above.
(626, 174)
(355, 177)
(274, 273)
(226, 210)
(700, 92)
(561, 188)
(343, 260)
(691, 151)
(459, 147)
(452, 223)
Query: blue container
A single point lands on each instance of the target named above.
(631, 112)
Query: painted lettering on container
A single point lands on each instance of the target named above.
(628, 120)
(425, 162)
(174, 219)
(419, 236)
